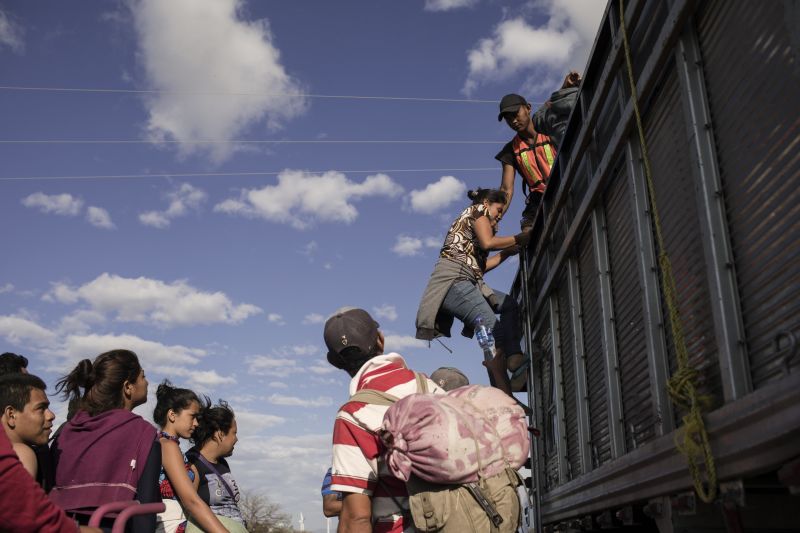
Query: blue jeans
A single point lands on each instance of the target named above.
(465, 302)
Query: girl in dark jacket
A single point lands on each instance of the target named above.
(104, 452)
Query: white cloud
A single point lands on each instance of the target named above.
(396, 343)
(182, 199)
(154, 301)
(547, 52)
(438, 195)
(283, 361)
(8, 287)
(70, 342)
(277, 385)
(99, 217)
(210, 378)
(202, 379)
(80, 321)
(204, 46)
(11, 33)
(151, 353)
(265, 365)
(57, 204)
(298, 461)
(295, 350)
(252, 422)
(406, 245)
(294, 401)
(276, 318)
(389, 312)
(20, 331)
(313, 318)
(301, 198)
(310, 249)
(154, 219)
(447, 5)
(321, 368)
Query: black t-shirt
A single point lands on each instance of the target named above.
(506, 155)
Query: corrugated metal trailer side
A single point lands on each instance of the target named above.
(718, 86)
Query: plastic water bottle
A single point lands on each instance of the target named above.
(485, 338)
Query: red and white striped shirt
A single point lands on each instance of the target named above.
(357, 451)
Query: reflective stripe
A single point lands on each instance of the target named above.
(549, 154)
(534, 161)
(524, 157)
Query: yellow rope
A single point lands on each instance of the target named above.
(692, 439)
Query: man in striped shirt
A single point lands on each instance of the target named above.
(374, 500)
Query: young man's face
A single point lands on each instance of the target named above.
(34, 423)
(518, 121)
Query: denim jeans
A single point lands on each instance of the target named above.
(465, 302)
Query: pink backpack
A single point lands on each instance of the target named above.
(470, 433)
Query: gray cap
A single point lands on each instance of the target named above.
(350, 327)
(449, 378)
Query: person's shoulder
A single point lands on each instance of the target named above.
(507, 153)
(25, 453)
(144, 427)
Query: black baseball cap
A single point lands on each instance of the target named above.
(510, 103)
(350, 326)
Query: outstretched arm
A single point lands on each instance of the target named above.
(489, 241)
(495, 260)
(507, 184)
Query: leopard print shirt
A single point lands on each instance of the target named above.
(461, 243)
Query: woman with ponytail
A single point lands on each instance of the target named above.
(104, 452)
(177, 412)
(456, 288)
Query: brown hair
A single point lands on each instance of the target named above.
(101, 381)
(493, 196)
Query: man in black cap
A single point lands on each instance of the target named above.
(372, 495)
(532, 150)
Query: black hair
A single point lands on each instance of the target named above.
(11, 363)
(493, 196)
(169, 397)
(15, 390)
(212, 418)
(101, 381)
(352, 358)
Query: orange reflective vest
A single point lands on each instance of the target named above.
(534, 161)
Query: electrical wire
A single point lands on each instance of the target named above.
(236, 141)
(225, 93)
(242, 174)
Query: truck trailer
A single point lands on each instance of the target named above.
(660, 294)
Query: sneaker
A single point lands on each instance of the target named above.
(519, 378)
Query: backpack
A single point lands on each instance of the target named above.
(488, 504)
(552, 118)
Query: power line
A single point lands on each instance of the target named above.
(236, 141)
(225, 93)
(219, 174)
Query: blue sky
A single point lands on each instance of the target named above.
(221, 282)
